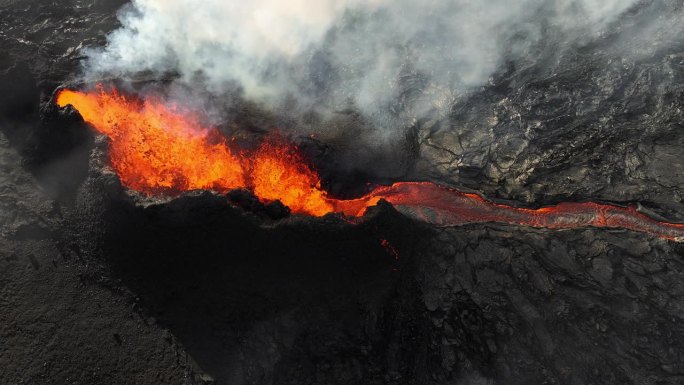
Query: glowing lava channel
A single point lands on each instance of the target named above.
(158, 149)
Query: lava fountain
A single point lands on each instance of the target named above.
(156, 149)
(160, 149)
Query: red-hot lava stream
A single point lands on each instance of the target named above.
(158, 149)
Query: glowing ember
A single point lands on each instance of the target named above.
(391, 250)
(160, 150)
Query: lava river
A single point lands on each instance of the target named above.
(165, 150)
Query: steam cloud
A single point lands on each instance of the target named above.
(393, 61)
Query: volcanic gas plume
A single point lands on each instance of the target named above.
(159, 149)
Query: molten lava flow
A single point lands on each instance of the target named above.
(160, 150)
(279, 173)
(156, 149)
(443, 206)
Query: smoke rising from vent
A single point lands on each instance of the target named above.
(390, 62)
(332, 52)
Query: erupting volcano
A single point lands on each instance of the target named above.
(156, 149)
(342, 192)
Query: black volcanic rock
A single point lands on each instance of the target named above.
(246, 200)
(576, 122)
(63, 319)
(315, 299)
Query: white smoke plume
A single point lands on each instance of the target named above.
(388, 59)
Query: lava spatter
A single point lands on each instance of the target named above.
(158, 149)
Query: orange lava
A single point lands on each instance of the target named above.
(443, 206)
(158, 149)
(279, 173)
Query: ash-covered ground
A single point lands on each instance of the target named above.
(99, 286)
